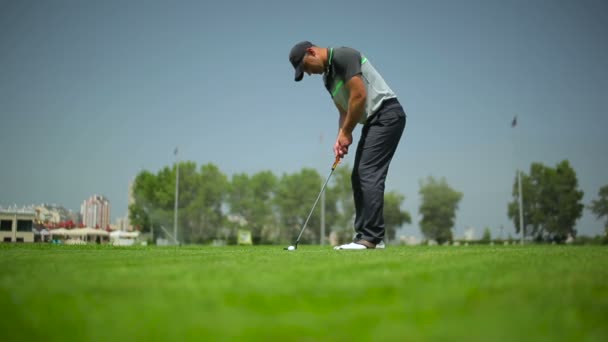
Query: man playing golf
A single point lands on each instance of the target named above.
(361, 96)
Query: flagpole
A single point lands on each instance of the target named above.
(519, 192)
(521, 215)
(176, 195)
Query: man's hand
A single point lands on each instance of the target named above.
(343, 141)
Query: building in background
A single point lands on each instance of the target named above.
(122, 224)
(53, 216)
(469, 234)
(95, 212)
(17, 224)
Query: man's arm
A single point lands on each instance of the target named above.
(341, 119)
(342, 116)
(356, 104)
(348, 121)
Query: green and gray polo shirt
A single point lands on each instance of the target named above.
(345, 63)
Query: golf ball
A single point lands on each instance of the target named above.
(291, 248)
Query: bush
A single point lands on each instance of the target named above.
(587, 240)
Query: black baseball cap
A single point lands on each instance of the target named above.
(297, 55)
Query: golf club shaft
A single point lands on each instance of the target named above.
(336, 162)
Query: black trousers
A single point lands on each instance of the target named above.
(378, 143)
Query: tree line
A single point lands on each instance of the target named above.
(552, 203)
(212, 206)
(273, 208)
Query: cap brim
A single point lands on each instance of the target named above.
(299, 73)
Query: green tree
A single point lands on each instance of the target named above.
(487, 235)
(201, 195)
(153, 199)
(206, 218)
(394, 217)
(139, 219)
(251, 198)
(600, 206)
(340, 205)
(141, 188)
(551, 202)
(438, 209)
(295, 196)
(188, 205)
(264, 186)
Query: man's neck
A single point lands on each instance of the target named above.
(325, 58)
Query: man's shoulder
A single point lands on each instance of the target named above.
(346, 53)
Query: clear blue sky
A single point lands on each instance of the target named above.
(92, 92)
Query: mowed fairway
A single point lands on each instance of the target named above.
(482, 293)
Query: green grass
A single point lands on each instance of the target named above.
(478, 293)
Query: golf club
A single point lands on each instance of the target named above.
(295, 246)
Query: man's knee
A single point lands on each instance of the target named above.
(372, 183)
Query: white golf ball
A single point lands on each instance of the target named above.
(291, 248)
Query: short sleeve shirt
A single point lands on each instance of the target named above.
(346, 63)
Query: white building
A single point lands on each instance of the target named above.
(16, 224)
(53, 214)
(469, 234)
(95, 212)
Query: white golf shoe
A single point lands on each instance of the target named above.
(358, 246)
(350, 246)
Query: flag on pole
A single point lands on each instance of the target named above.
(175, 151)
(514, 122)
